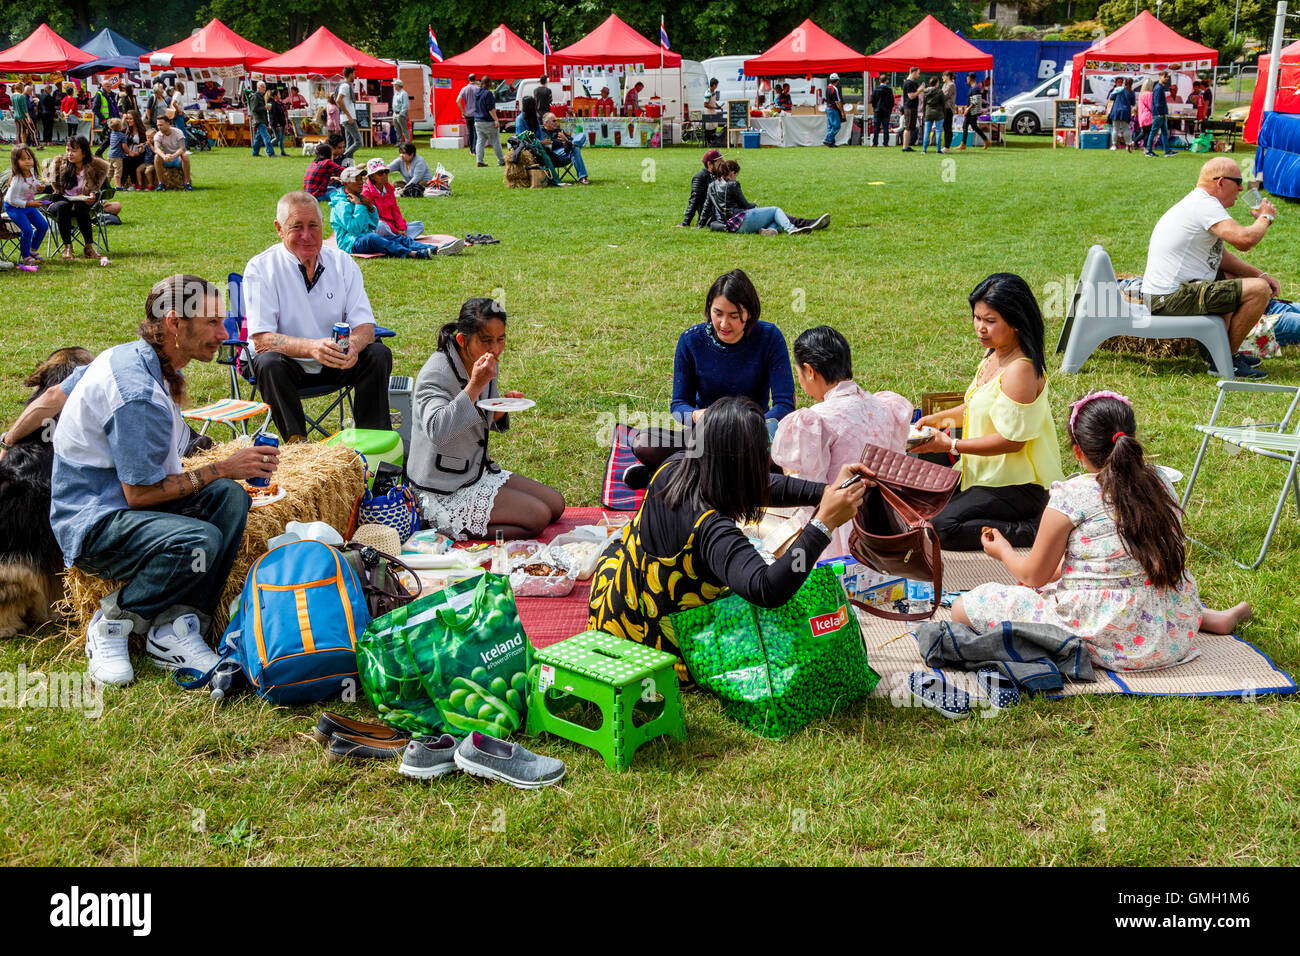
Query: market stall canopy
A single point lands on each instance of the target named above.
(501, 55)
(614, 44)
(807, 49)
(216, 45)
(42, 52)
(108, 42)
(326, 54)
(931, 46)
(1142, 43)
(1287, 98)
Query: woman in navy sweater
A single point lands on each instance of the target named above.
(730, 353)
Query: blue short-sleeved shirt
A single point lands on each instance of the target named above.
(120, 425)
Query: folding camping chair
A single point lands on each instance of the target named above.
(11, 239)
(1278, 440)
(238, 359)
(98, 228)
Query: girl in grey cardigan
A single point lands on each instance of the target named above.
(462, 491)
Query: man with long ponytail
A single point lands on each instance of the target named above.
(123, 506)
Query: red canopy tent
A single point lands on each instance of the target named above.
(216, 45)
(1287, 97)
(806, 49)
(42, 52)
(1146, 42)
(614, 43)
(931, 46)
(326, 54)
(501, 55)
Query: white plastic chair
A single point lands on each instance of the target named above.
(1098, 311)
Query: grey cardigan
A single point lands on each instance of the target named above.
(449, 443)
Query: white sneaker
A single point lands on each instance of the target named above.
(110, 663)
(451, 247)
(181, 644)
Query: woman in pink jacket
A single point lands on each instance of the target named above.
(1144, 110)
(380, 192)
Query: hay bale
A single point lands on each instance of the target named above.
(322, 482)
(1156, 348)
(173, 177)
(518, 175)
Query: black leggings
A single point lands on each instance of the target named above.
(947, 129)
(64, 210)
(1015, 510)
(972, 123)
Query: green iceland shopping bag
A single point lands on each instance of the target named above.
(451, 662)
(778, 669)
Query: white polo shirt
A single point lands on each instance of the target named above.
(279, 298)
(1182, 248)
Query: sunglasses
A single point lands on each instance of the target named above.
(1232, 179)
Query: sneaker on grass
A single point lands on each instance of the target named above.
(429, 757)
(106, 651)
(482, 756)
(181, 644)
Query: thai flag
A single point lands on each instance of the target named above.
(435, 53)
(663, 35)
(546, 41)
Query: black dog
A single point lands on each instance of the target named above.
(30, 559)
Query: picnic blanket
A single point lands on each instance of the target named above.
(1227, 667)
(427, 239)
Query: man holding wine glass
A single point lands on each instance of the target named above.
(1189, 272)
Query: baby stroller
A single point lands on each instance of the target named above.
(196, 138)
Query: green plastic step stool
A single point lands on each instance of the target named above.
(374, 445)
(618, 677)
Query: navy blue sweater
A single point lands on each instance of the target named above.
(758, 367)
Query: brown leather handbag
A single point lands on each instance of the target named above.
(892, 532)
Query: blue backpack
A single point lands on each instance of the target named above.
(295, 628)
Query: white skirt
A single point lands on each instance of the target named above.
(464, 513)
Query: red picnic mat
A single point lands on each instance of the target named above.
(547, 620)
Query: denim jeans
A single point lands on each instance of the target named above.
(390, 245)
(935, 128)
(1159, 125)
(262, 136)
(414, 229)
(1287, 328)
(765, 217)
(175, 557)
(277, 135)
(574, 155)
(351, 139)
(833, 123)
(31, 224)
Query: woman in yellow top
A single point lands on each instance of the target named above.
(1009, 453)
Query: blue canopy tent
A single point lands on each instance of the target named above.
(113, 53)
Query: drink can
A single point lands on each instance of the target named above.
(340, 334)
(262, 438)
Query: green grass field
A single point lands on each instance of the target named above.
(598, 285)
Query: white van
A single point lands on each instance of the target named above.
(733, 84)
(1031, 112)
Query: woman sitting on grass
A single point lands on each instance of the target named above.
(683, 548)
(738, 214)
(463, 492)
(354, 220)
(817, 442)
(1009, 456)
(1109, 561)
(730, 353)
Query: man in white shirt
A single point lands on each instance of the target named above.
(169, 151)
(348, 113)
(401, 106)
(1188, 270)
(294, 294)
(465, 103)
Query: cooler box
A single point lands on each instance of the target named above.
(654, 110)
(446, 142)
(374, 444)
(1095, 139)
(752, 137)
(400, 388)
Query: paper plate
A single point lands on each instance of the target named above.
(919, 436)
(263, 502)
(505, 404)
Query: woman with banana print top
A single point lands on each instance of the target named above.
(684, 548)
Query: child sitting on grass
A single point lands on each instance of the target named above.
(1109, 562)
(815, 443)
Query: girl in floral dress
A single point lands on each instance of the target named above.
(1109, 561)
